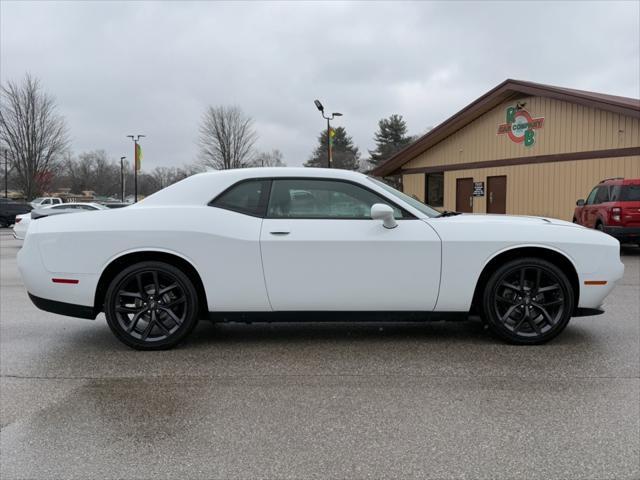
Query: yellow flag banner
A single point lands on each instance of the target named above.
(138, 157)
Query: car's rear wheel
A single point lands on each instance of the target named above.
(151, 306)
(600, 227)
(4, 222)
(528, 301)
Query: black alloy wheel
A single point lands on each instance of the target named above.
(151, 306)
(528, 301)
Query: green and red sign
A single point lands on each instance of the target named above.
(520, 126)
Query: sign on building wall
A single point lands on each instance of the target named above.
(520, 126)
(478, 189)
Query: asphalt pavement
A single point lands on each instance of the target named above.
(430, 401)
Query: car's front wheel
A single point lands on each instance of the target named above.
(528, 301)
(151, 306)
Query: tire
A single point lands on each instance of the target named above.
(600, 227)
(528, 301)
(4, 223)
(144, 320)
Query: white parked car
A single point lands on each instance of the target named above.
(45, 202)
(22, 222)
(301, 243)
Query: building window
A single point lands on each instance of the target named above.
(434, 185)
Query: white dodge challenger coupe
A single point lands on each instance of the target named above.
(305, 243)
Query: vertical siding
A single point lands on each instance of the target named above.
(414, 185)
(545, 189)
(568, 127)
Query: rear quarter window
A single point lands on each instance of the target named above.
(248, 197)
(626, 193)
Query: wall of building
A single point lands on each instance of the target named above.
(414, 185)
(568, 127)
(545, 189)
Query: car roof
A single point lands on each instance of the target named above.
(73, 204)
(620, 181)
(203, 187)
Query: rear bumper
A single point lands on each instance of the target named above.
(38, 281)
(624, 234)
(587, 312)
(61, 308)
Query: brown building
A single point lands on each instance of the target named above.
(522, 148)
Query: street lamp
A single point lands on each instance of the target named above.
(6, 173)
(136, 162)
(122, 179)
(334, 114)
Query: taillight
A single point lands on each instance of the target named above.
(615, 213)
(18, 220)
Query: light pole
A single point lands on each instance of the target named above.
(122, 179)
(334, 114)
(136, 165)
(6, 174)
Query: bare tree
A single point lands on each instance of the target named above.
(92, 171)
(269, 159)
(33, 132)
(226, 138)
(161, 177)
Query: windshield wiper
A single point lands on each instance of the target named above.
(448, 213)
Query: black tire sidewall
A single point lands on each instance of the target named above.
(498, 329)
(187, 326)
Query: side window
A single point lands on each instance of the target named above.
(615, 193)
(592, 196)
(603, 195)
(46, 202)
(248, 197)
(305, 198)
(434, 184)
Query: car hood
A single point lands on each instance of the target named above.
(477, 218)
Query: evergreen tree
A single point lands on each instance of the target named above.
(390, 138)
(345, 154)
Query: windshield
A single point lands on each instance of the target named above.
(38, 200)
(417, 204)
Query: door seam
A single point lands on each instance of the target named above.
(264, 277)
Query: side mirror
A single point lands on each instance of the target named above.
(380, 211)
(580, 202)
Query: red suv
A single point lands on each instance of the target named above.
(613, 206)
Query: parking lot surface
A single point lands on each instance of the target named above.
(437, 400)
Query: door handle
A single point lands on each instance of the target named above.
(280, 232)
(490, 197)
(471, 202)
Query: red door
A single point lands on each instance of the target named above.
(497, 194)
(589, 210)
(464, 195)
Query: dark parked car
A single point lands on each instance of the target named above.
(613, 206)
(9, 209)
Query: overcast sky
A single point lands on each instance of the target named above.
(120, 68)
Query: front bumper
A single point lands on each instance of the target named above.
(624, 234)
